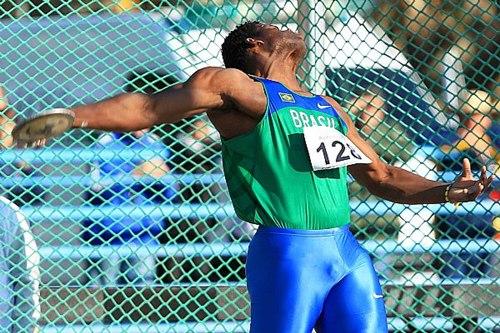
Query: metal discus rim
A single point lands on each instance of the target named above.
(45, 125)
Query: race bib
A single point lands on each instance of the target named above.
(329, 149)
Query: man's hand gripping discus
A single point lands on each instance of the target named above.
(36, 131)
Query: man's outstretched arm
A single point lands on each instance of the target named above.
(398, 185)
(209, 88)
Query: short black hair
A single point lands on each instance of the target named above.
(234, 48)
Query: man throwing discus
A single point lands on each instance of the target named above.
(286, 153)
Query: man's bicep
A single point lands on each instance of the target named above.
(363, 173)
(361, 143)
(222, 89)
(367, 174)
(195, 96)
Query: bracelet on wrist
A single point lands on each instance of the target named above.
(446, 193)
(447, 196)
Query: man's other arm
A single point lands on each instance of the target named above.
(398, 185)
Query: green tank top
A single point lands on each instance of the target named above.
(268, 172)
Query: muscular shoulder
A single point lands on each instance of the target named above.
(236, 89)
(340, 111)
(218, 77)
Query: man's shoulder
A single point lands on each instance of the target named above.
(221, 74)
(340, 110)
(220, 70)
(332, 101)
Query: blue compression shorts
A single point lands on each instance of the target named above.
(304, 279)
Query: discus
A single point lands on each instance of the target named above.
(44, 126)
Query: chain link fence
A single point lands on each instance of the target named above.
(114, 232)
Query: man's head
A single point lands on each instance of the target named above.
(252, 44)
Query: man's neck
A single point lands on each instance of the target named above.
(283, 74)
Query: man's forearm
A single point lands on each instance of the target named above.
(402, 186)
(125, 112)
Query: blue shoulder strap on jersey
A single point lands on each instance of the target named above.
(279, 96)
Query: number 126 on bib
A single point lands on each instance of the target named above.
(330, 149)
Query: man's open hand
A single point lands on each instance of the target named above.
(465, 187)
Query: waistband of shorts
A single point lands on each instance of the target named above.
(303, 232)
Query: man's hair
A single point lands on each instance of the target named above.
(234, 48)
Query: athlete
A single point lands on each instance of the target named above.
(286, 154)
